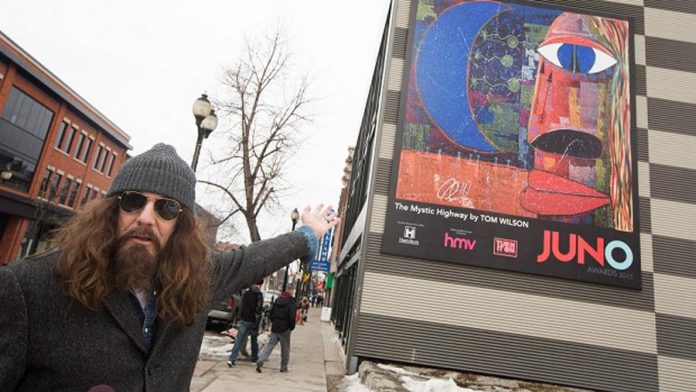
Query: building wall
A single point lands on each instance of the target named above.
(539, 328)
(84, 173)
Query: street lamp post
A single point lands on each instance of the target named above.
(206, 121)
(295, 216)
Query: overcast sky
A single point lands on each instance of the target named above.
(143, 63)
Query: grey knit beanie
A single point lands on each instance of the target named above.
(158, 170)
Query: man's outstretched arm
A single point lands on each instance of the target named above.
(234, 268)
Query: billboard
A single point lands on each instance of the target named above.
(515, 145)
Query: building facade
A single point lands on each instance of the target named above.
(630, 329)
(57, 152)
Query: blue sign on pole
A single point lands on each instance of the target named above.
(317, 265)
(325, 245)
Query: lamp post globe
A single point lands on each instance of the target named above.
(295, 216)
(206, 122)
(201, 108)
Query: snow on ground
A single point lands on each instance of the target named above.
(352, 384)
(215, 348)
(412, 381)
(432, 385)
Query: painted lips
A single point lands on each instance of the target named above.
(549, 194)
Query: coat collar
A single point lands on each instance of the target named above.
(120, 305)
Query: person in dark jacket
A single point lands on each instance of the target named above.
(282, 324)
(252, 304)
(123, 300)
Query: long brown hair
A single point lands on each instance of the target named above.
(87, 244)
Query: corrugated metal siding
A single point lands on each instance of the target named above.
(670, 84)
(676, 336)
(643, 148)
(675, 295)
(496, 353)
(379, 211)
(672, 149)
(400, 38)
(382, 179)
(510, 312)
(670, 116)
(646, 253)
(395, 74)
(386, 148)
(673, 183)
(676, 374)
(672, 5)
(673, 219)
(677, 26)
(661, 53)
(644, 214)
(644, 179)
(673, 255)
(391, 111)
(532, 327)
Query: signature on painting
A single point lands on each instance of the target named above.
(454, 191)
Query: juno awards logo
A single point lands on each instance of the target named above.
(409, 237)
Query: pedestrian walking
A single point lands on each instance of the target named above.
(122, 299)
(304, 309)
(282, 324)
(313, 299)
(252, 306)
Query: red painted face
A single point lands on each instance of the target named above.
(570, 111)
(573, 113)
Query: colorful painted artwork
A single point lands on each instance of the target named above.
(519, 109)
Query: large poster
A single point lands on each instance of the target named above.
(515, 144)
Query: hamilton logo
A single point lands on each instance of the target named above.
(409, 237)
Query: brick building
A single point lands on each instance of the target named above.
(56, 152)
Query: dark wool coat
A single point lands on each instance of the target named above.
(49, 342)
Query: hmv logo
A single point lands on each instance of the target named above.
(579, 250)
(459, 242)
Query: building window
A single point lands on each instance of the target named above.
(85, 155)
(54, 186)
(23, 128)
(95, 164)
(43, 191)
(73, 194)
(111, 164)
(71, 138)
(85, 194)
(102, 161)
(80, 144)
(65, 191)
(61, 134)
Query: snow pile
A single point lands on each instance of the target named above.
(352, 384)
(432, 385)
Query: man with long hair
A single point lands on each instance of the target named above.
(123, 298)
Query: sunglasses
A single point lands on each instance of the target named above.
(166, 209)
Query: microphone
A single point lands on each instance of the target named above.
(101, 388)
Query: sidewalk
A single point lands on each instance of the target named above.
(315, 356)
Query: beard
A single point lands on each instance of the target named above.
(133, 266)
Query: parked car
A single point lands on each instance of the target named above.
(225, 314)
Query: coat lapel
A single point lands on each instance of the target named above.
(121, 308)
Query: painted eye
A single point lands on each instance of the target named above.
(577, 58)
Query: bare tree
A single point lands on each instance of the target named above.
(264, 111)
